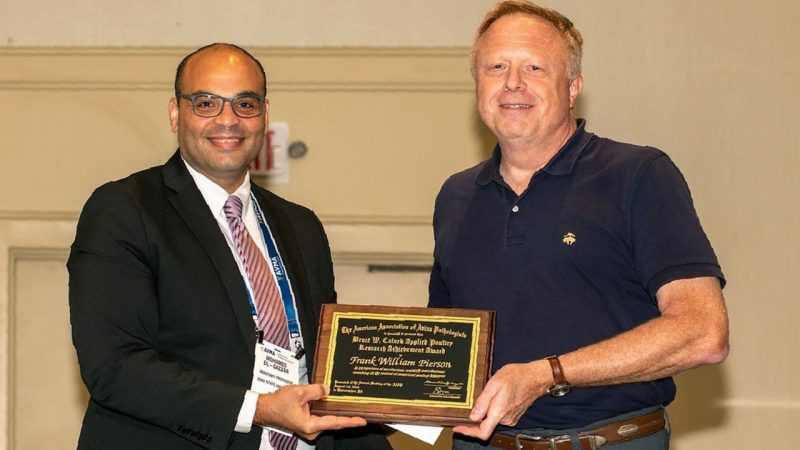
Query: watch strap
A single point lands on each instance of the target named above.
(558, 371)
(560, 386)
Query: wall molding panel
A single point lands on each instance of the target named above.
(357, 109)
(36, 383)
(151, 69)
(29, 243)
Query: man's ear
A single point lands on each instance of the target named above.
(172, 108)
(575, 87)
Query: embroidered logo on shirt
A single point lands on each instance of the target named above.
(569, 239)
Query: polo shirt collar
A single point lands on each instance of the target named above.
(561, 164)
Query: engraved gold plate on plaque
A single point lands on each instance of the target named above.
(402, 364)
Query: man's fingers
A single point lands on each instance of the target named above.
(510, 420)
(312, 392)
(467, 430)
(487, 427)
(289, 408)
(483, 402)
(316, 424)
(482, 431)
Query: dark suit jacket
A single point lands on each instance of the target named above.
(160, 317)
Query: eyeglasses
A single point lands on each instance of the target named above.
(210, 105)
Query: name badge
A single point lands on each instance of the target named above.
(275, 367)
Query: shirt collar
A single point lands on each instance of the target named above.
(561, 164)
(214, 195)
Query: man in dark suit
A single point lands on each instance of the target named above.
(161, 303)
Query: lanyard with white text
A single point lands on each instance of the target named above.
(287, 295)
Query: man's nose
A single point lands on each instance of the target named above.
(515, 81)
(227, 116)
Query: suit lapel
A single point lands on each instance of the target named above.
(188, 202)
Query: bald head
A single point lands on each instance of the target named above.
(222, 145)
(217, 49)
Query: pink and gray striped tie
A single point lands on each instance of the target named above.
(267, 297)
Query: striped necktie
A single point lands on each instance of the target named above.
(266, 295)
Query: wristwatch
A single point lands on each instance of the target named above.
(560, 386)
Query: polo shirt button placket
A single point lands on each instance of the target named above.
(514, 229)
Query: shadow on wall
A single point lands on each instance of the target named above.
(80, 396)
(698, 405)
(486, 139)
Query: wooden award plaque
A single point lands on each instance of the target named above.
(402, 364)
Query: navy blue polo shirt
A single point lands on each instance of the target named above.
(576, 259)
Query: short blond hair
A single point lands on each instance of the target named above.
(572, 37)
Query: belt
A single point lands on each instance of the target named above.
(612, 433)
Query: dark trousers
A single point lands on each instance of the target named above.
(655, 441)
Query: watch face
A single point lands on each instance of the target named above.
(559, 390)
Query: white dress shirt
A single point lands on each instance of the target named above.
(215, 198)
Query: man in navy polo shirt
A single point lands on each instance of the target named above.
(590, 251)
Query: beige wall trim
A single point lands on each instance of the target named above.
(273, 86)
(776, 404)
(345, 219)
(289, 69)
(39, 215)
(327, 219)
(15, 255)
(383, 258)
(179, 52)
(23, 85)
(355, 239)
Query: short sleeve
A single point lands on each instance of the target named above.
(668, 241)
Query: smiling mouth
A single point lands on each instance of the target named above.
(226, 140)
(226, 143)
(516, 106)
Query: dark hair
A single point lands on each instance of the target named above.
(182, 64)
(572, 37)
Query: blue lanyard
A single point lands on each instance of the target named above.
(287, 295)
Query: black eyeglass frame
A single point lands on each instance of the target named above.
(230, 100)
